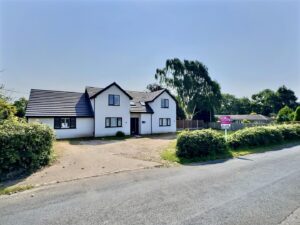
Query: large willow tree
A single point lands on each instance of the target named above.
(195, 90)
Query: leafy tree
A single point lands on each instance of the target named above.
(195, 89)
(266, 102)
(231, 105)
(244, 106)
(228, 105)
(180, 112)
(7, 110)
(20, 105)
(297, 114)
(154, 87)
(285, 114)
(287, 97)
(2, 93)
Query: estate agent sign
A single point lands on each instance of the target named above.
(225, 124)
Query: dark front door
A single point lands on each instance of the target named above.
(134, 126)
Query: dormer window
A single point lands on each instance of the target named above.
(164, 103)
(114, 100)
(132, 103)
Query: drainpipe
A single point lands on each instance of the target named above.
(151, 123)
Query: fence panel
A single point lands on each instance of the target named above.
(190, 124)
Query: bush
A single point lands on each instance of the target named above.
(285, 114)
(200, 143)
(120, 134)
(297, 114)
(264, 135)
(24, 147)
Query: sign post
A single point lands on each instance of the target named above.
(225, 124)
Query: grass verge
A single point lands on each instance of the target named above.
(12, 190)
(274, 147)
(169, 154)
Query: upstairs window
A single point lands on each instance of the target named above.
(64, 122)
(165, 103)
(114, 100)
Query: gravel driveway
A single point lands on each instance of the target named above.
(82, 159)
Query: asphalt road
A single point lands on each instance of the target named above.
(256, 189)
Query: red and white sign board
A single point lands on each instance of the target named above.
(225, 122)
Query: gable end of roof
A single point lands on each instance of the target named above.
(112, 84)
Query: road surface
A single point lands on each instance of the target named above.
(256, 189)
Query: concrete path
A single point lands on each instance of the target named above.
(259, 189)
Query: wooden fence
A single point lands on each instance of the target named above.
(190, 124)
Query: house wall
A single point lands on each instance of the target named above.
(103, 110)
(84, 127)
(145, 123)
(163, 113)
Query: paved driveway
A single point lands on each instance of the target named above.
(81, 159)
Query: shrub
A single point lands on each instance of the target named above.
(285, 114)
(120, 134)
(24, 147)
(200, 143)
(264, 135)
(297, 114)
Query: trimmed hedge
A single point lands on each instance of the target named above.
(264, 135)
(24, 147)
(200, 143)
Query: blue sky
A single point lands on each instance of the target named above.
(66, 45)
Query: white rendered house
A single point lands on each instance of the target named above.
(103, 111)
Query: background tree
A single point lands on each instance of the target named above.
(287, 97)
(285, 114)
(297, 114)
(195, 89)
(20, 105)
(266, 102)
(154, 87)
(230, 105)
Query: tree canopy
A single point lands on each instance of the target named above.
(154, 87)
(195, 90)
(20, 105)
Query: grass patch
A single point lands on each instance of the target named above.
(251, 150)
(169, 154)
(12, 190)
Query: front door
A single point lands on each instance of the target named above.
(134, 126)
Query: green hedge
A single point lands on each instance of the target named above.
(24, 147)
(264, 135)
(200, 143)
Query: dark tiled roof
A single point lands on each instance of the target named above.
(144, 96)
(91, 91)
(254, 117)
(44, 103)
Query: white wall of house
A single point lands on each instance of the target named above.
(145, 122)
(163, 113)
(84, 127)
(103, 110)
